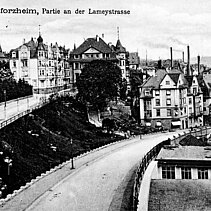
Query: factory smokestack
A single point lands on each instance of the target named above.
(183, 56)
(198, 59)
(188, 58)
(171, 53)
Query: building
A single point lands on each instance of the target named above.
(134, 61)
(195, 102)
(45, 67)
(97, 49)
(163, 100)
(180, 179)
(184, 162)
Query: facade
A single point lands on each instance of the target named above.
(96, 49)
(45, 67)
(195, 102)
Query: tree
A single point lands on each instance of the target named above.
(100, 81)
(136, 79)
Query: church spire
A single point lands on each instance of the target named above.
(39, 39)
(118, 33)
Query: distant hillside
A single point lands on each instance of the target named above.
(206, 60)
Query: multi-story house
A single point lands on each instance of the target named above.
(195, 102)
(134, 61)
(163, 100)
(44, 67)
(96, 49)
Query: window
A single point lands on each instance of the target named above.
(168, 112)
(157, 112)
(168, 92)
(13, 54)
(168, 102)
(14, 63)
(186, 172)
(202, 173)
(25, 63)
(157, 93)
(194, 90)
(157, 102)
(167, 82)
(190, 101)
(168, 172)
(76, 65)
(190, 110)
(147, 92)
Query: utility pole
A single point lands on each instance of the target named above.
(71, 142)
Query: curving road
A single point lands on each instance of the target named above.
(94, 182)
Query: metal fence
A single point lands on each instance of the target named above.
(197, 132)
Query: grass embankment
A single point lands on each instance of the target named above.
(41, 140)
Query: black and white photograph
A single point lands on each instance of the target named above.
(105, 105)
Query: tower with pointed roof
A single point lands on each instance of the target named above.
(122, 56)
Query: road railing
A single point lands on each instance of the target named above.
(152, 154)
(21, 114)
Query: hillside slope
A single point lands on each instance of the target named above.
(41, 140)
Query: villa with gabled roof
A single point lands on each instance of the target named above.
(171, 100)
(97, 49)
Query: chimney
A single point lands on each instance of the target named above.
(188, 62)
(159, 64)
(198, 59)
(183, 56)
(24, 41)
(103, 36)
(97, 38)
(171, 53)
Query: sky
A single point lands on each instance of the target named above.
(153, 26)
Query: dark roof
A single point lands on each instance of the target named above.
(156, 80)
(119, 47)
(98, 44)
(190, 140)
(189, 79)
(174, 77)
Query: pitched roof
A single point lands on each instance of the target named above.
(190, 140)
(99, 45)
(189, 79)
(156, 80)
(185, 153)
(174, 77)
(207, 80)
(119, 47)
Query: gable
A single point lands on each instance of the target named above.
(91, 51)
(167, 82)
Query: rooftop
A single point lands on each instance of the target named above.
(96, 43)
(185, 153)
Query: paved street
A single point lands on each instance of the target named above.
(92, 185)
